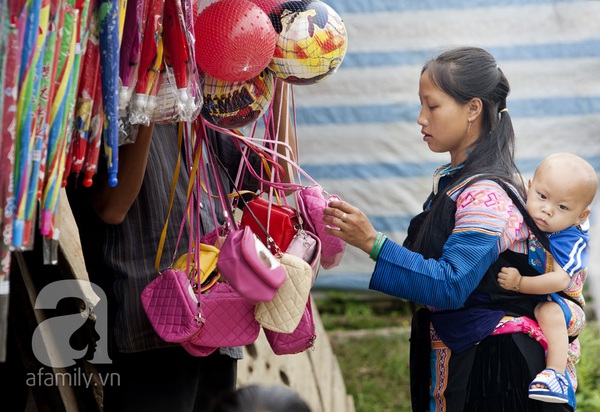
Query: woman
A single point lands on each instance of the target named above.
(472, 224)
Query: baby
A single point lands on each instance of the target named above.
(558, 200)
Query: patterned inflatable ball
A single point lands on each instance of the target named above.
(235, 105)
(311, 44)
(235, 40)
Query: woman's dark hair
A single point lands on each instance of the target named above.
(260, 398)
(465, 73)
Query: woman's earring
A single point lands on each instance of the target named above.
(469, 128)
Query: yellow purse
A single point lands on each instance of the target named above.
(208, 265)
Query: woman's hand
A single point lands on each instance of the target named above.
(350, 224)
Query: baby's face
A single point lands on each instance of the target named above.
(555, 203)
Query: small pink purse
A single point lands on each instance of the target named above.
(227, 319)
(219, 317)
(307, 245)
(249, 266)
(171, 306)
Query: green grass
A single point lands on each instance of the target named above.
(375, 370)
(588, 373)
(375, 363)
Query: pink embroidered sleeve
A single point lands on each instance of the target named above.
(485, 207)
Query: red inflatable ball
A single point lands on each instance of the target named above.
(235, 40)
(311, 42)
(235, 105)
(267, 5)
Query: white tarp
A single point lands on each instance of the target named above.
(357, 130)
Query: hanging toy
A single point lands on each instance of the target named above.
(267, 5)
(235, 40)
(311, 42)
(235, 105)
(131, 49)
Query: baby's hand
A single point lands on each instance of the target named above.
(508, 278)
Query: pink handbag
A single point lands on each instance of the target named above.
(249, 266)
(301, 339)
(221, 317)
(311, 202)
(170, 303)
(227, 319)
(307, 245)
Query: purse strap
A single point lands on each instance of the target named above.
(175, 179)
(214, 160)
(222, 196)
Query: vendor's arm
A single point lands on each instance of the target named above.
(113, 203)
(483, 230)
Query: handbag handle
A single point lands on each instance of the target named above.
(254, 142)
(213, 161)
(222, 197)
(172, 198)
(237, 137)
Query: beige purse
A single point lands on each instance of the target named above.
(284, 311)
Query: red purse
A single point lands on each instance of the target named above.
(281, 221)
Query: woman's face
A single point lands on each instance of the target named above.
(444, 121)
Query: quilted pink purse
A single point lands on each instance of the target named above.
(227, 319)
(311, 202)
(220, 317)
(301, 339)
(169, 302)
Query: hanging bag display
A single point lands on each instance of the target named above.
(284, 312)
(180, 313)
